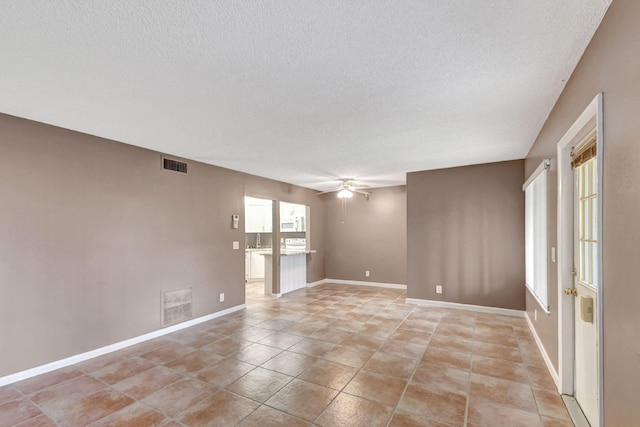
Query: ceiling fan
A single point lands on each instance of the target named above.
(347, 188)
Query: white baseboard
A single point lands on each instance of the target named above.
(363, 283)
(576, 414)
(52, 366)
(543, 351)
(470, 307)
(317, 283)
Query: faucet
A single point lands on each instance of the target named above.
(258, 241)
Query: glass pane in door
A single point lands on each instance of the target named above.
(587, 229)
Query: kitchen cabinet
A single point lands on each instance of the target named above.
(257, 265)
(258, 219)
(293, 217)
(247, 265)
(254, 264)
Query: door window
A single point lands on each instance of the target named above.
(587, 225)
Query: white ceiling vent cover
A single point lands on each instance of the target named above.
(176, 306)
(174, 165)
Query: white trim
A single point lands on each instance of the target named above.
(600, 208)
(470, 307)
(316, 283)
(591, 117)
(543, 351)
(362, 283)
(547, 310)
(575, 412)
(52, 366)
(544, 165)
(536, 190)
(565, 267)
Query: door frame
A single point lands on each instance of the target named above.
(591, 117)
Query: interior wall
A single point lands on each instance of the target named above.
(264, 188)
(94, 230)
(609, 65)
(369, 235)
(465, 231)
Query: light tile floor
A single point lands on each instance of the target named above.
(333, 355)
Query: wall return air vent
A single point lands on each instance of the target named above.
(176, 306)
(174, 165)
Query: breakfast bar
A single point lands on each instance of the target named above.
(293, 267)
(293, 271)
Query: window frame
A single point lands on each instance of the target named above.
(536, 239)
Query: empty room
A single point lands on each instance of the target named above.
(319, 213)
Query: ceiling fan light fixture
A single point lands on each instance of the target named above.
(345, 194)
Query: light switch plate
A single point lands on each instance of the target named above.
(236, 245)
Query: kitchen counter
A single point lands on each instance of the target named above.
(286, 252)
(289, 252)
(293, 270)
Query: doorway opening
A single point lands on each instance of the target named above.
(258, 244)
(580, 275)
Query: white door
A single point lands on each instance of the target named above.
(586, 289)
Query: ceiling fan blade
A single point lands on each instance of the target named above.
(350, 185)
(328, 191)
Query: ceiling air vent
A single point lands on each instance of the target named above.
(176, 306)
(174, 165)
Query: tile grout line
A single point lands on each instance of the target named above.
(415, 368)
(87, 372)
(535, 400)
(359, 369)
(25, 396)
(395, 407)
(110, 387)
(297, 376)
(525, 365)
(466, 408)
(84, 372)
(184, 376)
(289, 312)
(357, 372)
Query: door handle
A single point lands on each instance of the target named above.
(571, 291)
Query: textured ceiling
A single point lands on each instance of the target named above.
(300, 91)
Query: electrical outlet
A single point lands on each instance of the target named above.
(366, 273)
(438, 289)
(535, 315)
(236, 245)
(222, 297)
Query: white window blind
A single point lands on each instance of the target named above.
(536, 234)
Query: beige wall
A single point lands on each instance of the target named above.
(93, 231)
(610, 65)
(465, 231)
(367, 235)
